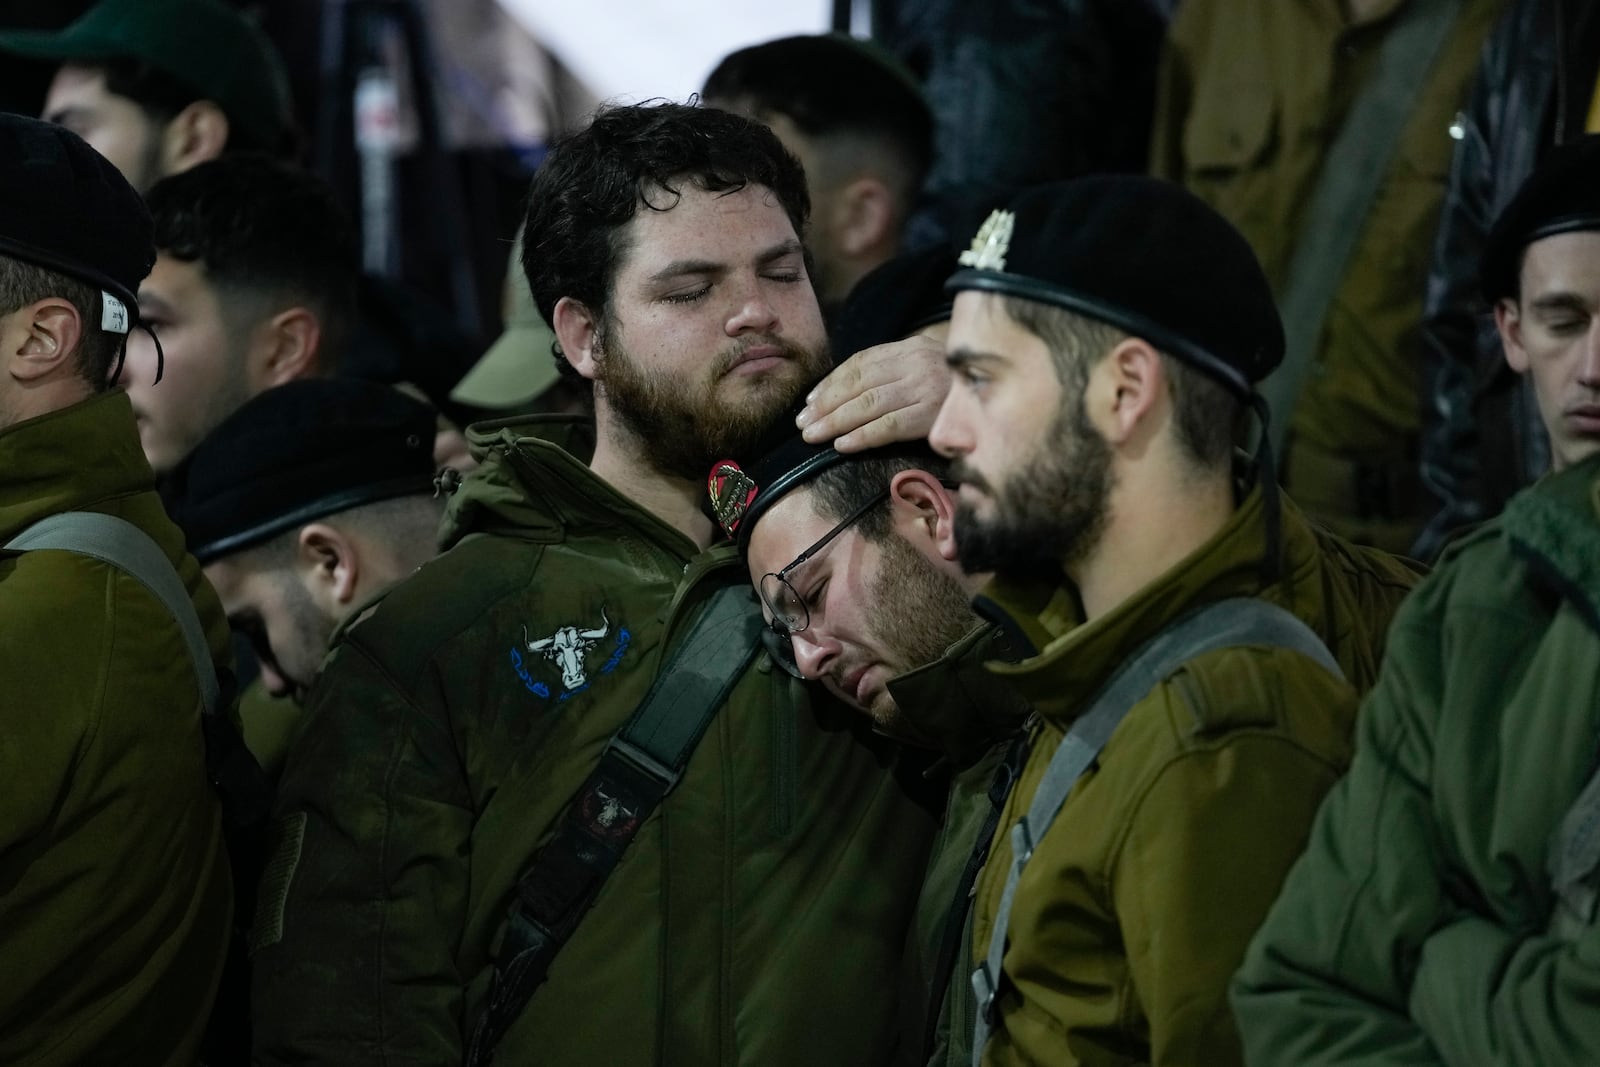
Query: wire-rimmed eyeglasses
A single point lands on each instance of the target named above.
(790, 615)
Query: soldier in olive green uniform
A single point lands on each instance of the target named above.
(758, 913)
(1253, 97)
(1105, 339)
(115, 896)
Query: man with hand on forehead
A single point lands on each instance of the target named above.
(854, 558)
(553, 801)
(1194, 649)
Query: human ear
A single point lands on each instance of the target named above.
(923, 512)
(329, 566)
(194, 135)
(1508, 320)
(578, 332)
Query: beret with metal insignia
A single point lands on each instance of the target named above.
(1561, 196)
(1143, 255)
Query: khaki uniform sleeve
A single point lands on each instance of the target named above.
(1206, 853)
(364, 901)
(1327, 979)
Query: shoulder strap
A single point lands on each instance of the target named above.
(1225, 624)
(1354, 169)
(639, 767)
(123, 545)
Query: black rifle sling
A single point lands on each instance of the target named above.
(640, 766)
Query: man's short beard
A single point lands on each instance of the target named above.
(1052, 509)
(921, 612)
(683, 426)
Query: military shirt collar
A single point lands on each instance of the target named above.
(69, 460)
(953, 706)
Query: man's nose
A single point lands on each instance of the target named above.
(753, 312)
(812, 655)
(951, 434)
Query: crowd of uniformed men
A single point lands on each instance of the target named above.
(904, 612)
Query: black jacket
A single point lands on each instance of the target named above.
(1482, 438)
(1023, 92)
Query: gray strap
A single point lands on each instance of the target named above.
(1574, 859)
(129, 549)
(1231, 623)
(1352, 172)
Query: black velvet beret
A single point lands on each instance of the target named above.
(63, 207)
(897, 299)
(296, 453)
(1561, 196)
(1143, 255)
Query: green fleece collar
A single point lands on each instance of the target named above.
(69, 460)
(1079, 657)
(1556, 524)
(953, 705)
(529, 486)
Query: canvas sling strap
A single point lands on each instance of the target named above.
(1352, 172)
(234, 772)
(1233, 623)
(1574, 862)
(639, 767)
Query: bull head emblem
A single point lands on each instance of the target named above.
(566, 649)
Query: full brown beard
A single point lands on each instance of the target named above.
(685, 426)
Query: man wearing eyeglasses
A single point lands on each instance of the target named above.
(854, 559)
(1105, 341)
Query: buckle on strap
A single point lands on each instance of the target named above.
(645, 763)
(985, 988)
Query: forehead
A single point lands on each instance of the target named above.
(75, 85)
(785, 530)
(177, 282)
(695, 225)
(1565, 261)
(979, 321)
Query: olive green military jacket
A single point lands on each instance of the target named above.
(955, 708)
(1422, 926)
(1138, 903)
(757, 917)
(115, 896)
(1251, 96)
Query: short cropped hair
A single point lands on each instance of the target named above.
(22, 284)
(161, 97)
(846, 487)
(830, 85)
(260, 227)
(594, 182)
(1208, 418)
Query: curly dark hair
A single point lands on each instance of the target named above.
(261, 227)
(594, 182)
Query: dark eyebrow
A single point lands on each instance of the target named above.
(149, 303)
(966, 357)
(682, 267)
(61, 116)
(791, 247)
(1561, 302)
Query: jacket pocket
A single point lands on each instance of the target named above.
(1229, 143)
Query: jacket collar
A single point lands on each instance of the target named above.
(530, 485)
(1556, 526)
(1077, 657)
(953, 705)
(70, 460)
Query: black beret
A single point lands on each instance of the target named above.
(740, 492)
(896, 300)
(298, 452)
(1561, 196)
(63, 207)
(1143, 255)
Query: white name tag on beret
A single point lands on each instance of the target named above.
(113, 314)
